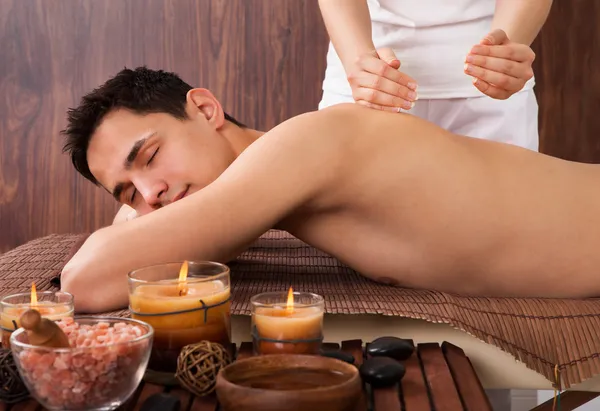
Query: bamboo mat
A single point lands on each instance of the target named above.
(541, 333)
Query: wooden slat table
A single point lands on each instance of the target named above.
(437, 378)
(569, 401)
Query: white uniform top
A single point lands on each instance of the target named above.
(431, 38)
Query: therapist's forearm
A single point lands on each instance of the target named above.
(348, 23)
(522, 20)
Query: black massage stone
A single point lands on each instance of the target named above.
(397, 348)
(382, 372)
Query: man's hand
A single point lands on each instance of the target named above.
(125, 213)
(500, 67)
(377, 83)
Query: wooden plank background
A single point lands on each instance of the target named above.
(264, 59)
(568, 81)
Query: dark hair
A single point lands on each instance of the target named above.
(142, 91)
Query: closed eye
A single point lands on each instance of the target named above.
(152, 157)
(132, 198)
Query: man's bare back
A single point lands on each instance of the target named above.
(395, 197)
(420, 207)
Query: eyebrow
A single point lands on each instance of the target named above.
(117, 191)
(133, 153)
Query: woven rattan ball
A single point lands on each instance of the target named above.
(198, 365)
(12, 388)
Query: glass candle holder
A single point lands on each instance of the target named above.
(181, 313)
(53, 305)
(287, 325)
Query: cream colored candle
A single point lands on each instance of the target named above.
(50, 304)
(292, 327)
(182, 310)
(173, 331)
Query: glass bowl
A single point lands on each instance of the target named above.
(98, 373)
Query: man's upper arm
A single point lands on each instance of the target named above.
(271, 179)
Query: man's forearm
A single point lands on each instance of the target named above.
(348, 23)
(522, 20)
(157, 238)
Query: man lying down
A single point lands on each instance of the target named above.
(398, 199)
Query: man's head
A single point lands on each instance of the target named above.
(149, 138)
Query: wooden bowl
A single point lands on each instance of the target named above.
(287, 382)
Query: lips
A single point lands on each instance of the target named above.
(182, 194)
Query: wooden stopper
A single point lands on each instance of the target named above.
(43, 332)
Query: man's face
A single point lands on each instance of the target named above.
(149, 161)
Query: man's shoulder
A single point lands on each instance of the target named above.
(351, 119)
(327, 121)
(346, 116)
(307, 141)
(343, 110)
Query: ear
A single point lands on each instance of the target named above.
(202, 102)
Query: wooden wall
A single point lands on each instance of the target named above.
(263, 58)
(567, 69)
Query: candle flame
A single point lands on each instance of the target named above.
(182, 286)
(290, 301)
(34, 299)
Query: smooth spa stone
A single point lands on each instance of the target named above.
(393, 347)
(161, 402)
(382, 372)
(339, 355)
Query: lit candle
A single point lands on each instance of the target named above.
(182, 310)
(50, 304)
(287, 324)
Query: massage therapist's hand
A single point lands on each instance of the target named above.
(500, 67)
(377, 83)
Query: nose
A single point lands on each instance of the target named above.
(153, 192)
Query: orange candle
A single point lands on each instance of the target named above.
(50, 304)
(287, 324)
(182, 309)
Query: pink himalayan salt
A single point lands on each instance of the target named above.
(88, 377)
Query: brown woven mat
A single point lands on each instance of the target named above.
(541, 333)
